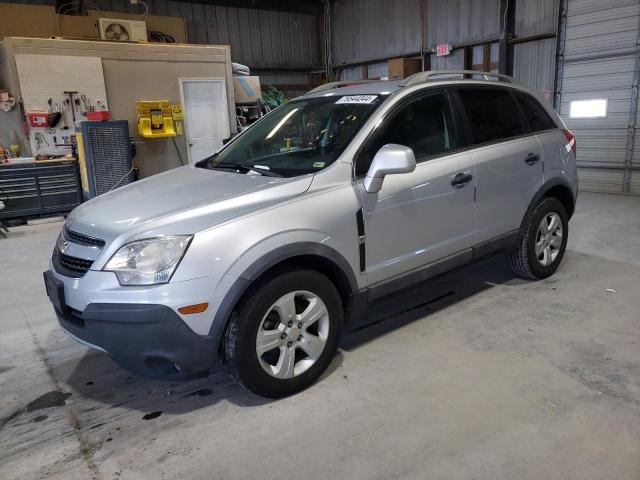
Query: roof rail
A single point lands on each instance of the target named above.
(426, 76)
(340, 84)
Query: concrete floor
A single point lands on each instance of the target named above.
(478, 376)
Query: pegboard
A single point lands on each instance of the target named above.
(48, 76)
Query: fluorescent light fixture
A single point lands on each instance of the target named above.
(281, 122)
(596, 108)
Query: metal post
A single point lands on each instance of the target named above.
(507, 23)
(422, 33)
(327, 39)
(562, 35)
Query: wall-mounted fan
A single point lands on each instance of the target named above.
(120, 30)
(116, 31)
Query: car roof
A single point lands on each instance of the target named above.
(380, 87)
(425, 80)
(384, 87)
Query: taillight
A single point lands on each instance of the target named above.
(571, 138)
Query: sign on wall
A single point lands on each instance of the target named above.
(443, 49)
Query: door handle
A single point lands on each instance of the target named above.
(461, 179)
(531, 159)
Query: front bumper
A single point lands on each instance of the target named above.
(149, 340)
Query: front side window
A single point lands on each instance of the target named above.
(303, 136)
(425, 124)
(537, 117)
(492, 113)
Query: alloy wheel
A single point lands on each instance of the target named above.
(548, 239)
(292, 334)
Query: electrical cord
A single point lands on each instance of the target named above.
(177, 151)
(146, 8)
(123, 177)
(62, 14)
(160, 37)
(504, 18)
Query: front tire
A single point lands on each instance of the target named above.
(542, 241)
(284, 334)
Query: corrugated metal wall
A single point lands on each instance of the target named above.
(534, 62)
(459, 23)
(258, 38)
(598, 60)
(367, 30)
(533, 17)
(371, 29)
(462, 21)
(534, 65)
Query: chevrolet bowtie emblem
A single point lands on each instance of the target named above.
(64, 246)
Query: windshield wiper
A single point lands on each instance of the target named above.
(245, 168)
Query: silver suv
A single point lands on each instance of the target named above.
(261, 253)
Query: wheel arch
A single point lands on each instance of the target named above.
(313, 256)
(559, 188)
(563, 193)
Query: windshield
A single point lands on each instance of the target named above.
(301, 137)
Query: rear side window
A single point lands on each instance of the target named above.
(536, 115)
(493, 114)
(425, 124)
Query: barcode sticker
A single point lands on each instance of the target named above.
(357, 99)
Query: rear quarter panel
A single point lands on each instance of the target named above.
(559, 159)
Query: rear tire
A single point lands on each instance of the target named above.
(284, 333)
(542, 241)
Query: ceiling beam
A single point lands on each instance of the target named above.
(312, 7)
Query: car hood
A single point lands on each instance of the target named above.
(181, 201)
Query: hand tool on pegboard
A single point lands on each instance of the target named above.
(71, 103)
(54, 117)
(86, 104)
(64, 119)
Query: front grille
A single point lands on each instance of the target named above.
(70, 266)
(82, 239)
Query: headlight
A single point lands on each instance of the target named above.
(148, 262)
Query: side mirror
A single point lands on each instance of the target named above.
(390, 159)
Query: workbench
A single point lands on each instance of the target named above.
(39, 187)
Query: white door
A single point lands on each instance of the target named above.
(206, 116)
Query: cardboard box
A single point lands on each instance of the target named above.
(247, 89)
(400, 68)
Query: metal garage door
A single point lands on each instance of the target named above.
(597, 91)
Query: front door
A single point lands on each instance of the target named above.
(206, 115)
(421, 217)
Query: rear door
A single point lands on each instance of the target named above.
(551, 138)
(507, 158)
(419, 217)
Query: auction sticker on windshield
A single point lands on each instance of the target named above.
(358, 99)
